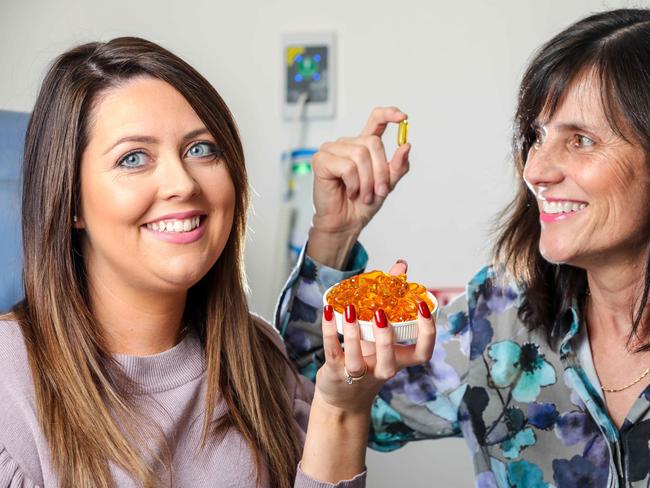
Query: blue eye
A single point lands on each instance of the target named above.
(133, 160)
(202, 150)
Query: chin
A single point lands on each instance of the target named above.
(554, 255)
(183, 279)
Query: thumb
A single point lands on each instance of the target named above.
(399, 165)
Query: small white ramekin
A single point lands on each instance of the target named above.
(402, 331)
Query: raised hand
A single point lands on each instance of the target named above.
(352, 178)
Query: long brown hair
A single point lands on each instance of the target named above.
(85, 415)
(615, 45)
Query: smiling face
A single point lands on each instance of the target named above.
(157, 200)
(591, 184)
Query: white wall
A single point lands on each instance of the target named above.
(452, 66)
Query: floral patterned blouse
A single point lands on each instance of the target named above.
(531, 416)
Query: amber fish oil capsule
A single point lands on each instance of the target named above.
(402, 132)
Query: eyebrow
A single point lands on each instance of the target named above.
(569, 126)
(578, 126)
(152, 140)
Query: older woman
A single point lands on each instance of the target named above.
(544, 364)
(134, 359)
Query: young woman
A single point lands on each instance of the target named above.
(134, 360)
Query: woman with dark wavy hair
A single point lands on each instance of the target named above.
(544, 364)
(134, 359)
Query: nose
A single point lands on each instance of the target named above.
(544, 167)
(176, 182)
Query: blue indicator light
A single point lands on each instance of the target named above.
(298, 58)
(298, 78)
(316, 76)
(316, 58)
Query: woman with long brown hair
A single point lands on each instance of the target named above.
(133, 359)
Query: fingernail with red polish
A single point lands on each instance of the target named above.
(328, 312)
(424, 309)
(350, 314)
(380, 318)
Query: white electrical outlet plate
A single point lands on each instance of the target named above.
(309, 66)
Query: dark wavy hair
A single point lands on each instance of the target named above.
(615, 46)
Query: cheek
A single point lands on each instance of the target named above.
(219, 191)
(109, 200)
(622, 196)
(223, 204)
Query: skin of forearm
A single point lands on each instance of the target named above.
(335, 446)
(331, 248)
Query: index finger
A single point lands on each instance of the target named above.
(379, 118)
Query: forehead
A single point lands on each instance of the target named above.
(145, 106)
(580, 103)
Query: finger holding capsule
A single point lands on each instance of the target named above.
(362, 164)
(386, 173)
(380, 169)
(379, 119)
(399, 164)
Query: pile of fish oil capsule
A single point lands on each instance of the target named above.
(369, 291)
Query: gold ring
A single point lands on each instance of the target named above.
(349, 379)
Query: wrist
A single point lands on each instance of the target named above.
(338, 415)
(330, 248)
(335, 445)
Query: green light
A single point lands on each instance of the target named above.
(307, 67)
(301, 168)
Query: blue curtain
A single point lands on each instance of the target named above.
(12, 135)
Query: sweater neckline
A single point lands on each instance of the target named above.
(163, 371)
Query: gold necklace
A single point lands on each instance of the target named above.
(616, 390)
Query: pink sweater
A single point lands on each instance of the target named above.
(173, 387)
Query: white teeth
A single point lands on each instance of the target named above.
(175, 226)
(561, 207)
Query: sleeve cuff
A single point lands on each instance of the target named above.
(305, 481)
(329, 276)
(11, 475)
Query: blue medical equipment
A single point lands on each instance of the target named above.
(12, 135)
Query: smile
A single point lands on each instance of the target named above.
(557, 207)
(178, 229)
(175, 226)
(556, 210)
